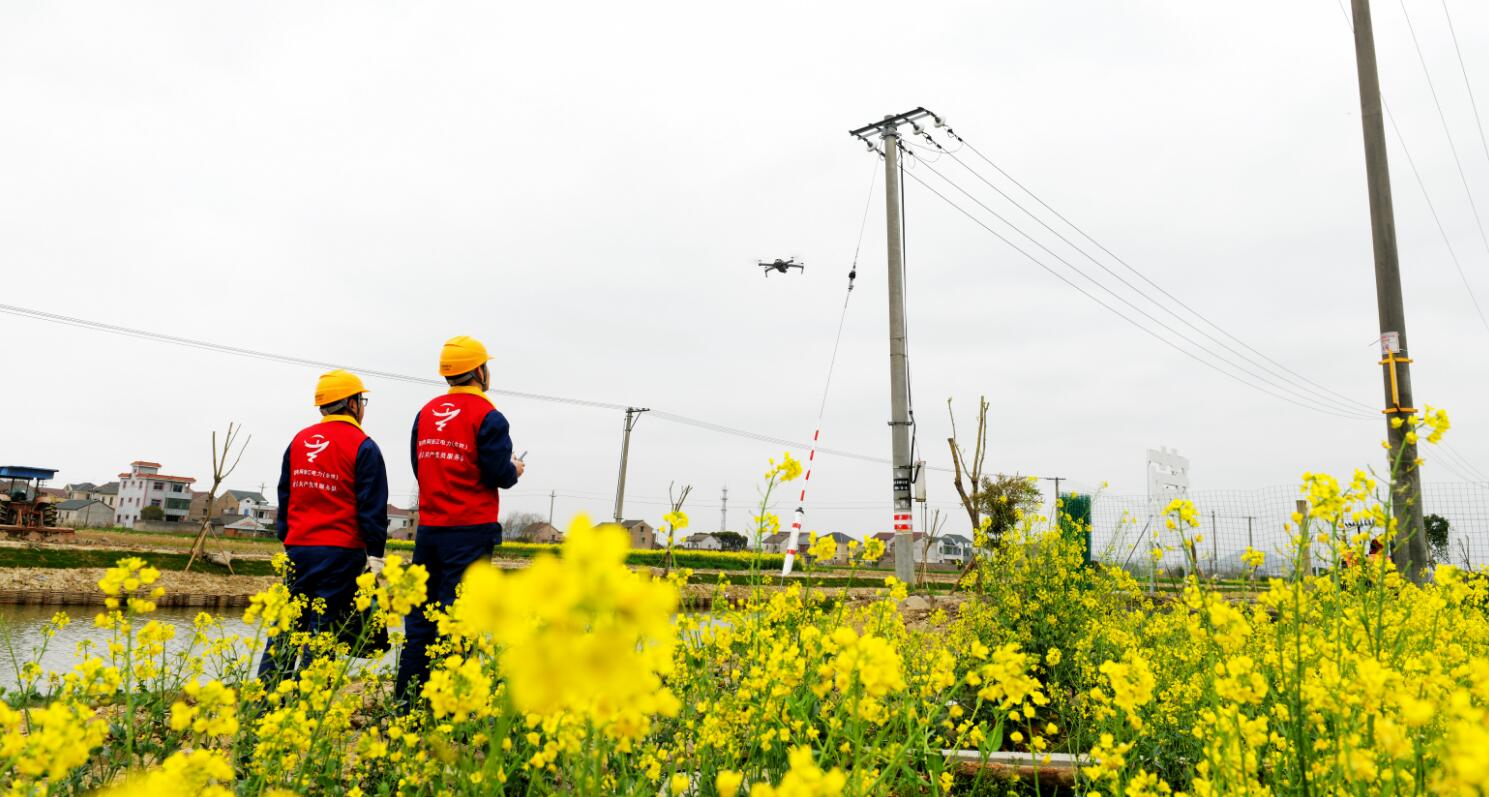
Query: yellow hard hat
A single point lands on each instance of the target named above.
(461, 355)
(334, 386)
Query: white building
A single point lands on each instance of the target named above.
(703, 541)
(144, 485)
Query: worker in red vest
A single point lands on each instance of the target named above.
(462, 455)
(333, 512)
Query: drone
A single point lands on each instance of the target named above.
(781, 266)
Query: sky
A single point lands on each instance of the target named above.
(587, 186)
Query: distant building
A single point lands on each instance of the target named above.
(541, 532)
(144, 485)
(80, 490)
(776, 543)
(241, 526)
(703, 541)
(85, 513)
(643, 535)
(107, 493)
(199, 508)
(248, 503)
(917, 546)
(401, 523)
(952, 549)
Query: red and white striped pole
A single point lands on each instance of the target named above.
(801, 501)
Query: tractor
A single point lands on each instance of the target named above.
(25, 511)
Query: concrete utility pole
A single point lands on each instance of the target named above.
(724, 510)
(552, 494)
(1055, 505)
(902, 469)
(1409, 550)
(632, 415)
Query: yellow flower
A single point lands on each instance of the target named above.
(273, 609)
(727, 783)
(873, 549)
(804, 779)
(788, 469)
(824, 547)
(193, 772)
(598, 641)
(1252, 557)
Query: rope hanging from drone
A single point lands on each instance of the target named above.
(801, 499)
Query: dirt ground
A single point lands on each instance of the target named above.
(86, 580)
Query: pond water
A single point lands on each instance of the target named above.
(22, 634)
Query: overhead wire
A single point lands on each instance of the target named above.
(1299, 399)
(1296, 383)
(1411, 162)
(1468, 84)
(1114, 310)
(1145, 278)
(1446, 129)
(1449, 452)
(159, 337)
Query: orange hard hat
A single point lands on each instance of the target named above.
(461, 355)
(333, 386)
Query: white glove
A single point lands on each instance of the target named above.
(375, 564)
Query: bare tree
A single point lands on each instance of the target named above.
(220, 471)
(972, 471)
(515, 527)
(677, 502)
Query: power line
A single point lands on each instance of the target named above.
(1446, 130)
(1468, 84)
(1118, 313)
(697, 423)
(1297, 384)
(1452, 453)
(1316, 405)
(1431, 208)
(1164, 292)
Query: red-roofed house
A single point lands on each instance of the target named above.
(144, 485)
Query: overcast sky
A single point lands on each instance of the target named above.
(586, 187)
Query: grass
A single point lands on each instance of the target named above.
(176, 539)
(70, 558)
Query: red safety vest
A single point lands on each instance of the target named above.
(323, 488)
(450, 488)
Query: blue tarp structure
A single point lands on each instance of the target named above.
(23, 472)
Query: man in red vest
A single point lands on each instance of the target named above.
(462, 455)
(333, 512)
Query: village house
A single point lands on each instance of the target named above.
(107, 493)
(85, 513)
(541, 532)
(248, 503)
(144, 485)
(703, 541)
(401, 523)
(643, 535)
(776, 543)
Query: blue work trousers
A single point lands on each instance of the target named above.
(316, 571)
(445, 552)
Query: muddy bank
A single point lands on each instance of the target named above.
(31, 586)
